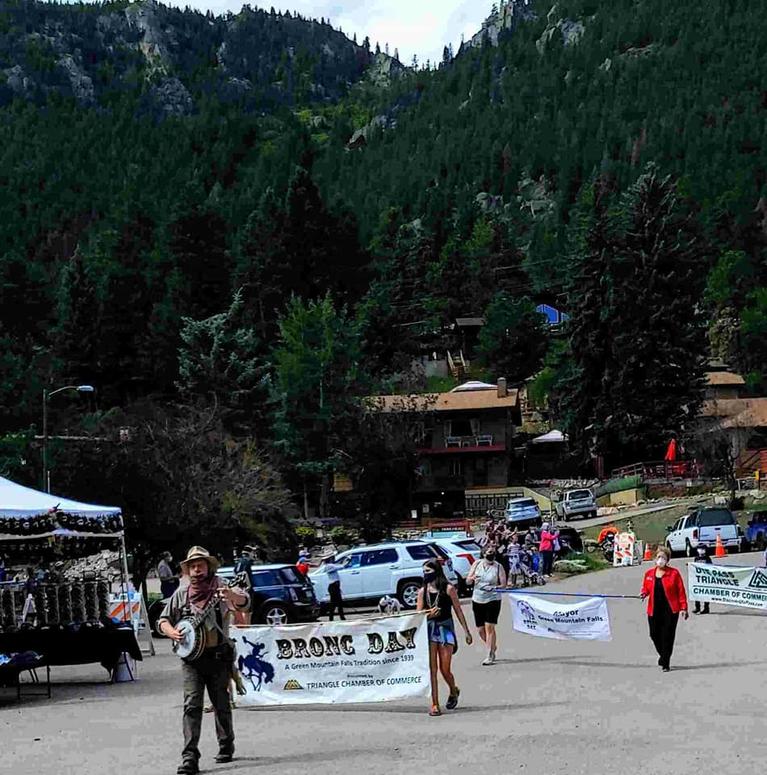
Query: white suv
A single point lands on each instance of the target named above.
(462, 550)
(370, 572)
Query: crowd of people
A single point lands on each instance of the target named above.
(527, 554)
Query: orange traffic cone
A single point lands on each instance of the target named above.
(720, 550)
(647, 552)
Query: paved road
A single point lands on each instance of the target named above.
(547, 707)
(635, 514)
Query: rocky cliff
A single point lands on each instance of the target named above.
(172, 57)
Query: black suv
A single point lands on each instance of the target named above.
(280, 595)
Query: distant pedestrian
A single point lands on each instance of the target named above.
(302, 566)
(513, 554)
(334, 589)
(702, 555)
(168, 578)
(546, 548)
(440, 599)
(666, 599)
(487, 575)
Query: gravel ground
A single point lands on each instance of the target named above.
(547, 707)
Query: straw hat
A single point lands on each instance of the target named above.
(199, 553)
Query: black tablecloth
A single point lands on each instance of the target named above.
(81, 647)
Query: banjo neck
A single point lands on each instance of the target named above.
(198, 618)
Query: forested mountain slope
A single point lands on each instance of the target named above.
(153, 161)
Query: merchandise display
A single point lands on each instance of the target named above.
(67, 555)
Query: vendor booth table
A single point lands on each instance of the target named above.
(10, 674)
(102, 645)
(64, 622)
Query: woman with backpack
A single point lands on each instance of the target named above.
(440, 599)
(487, 575)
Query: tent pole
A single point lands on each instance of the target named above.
(124, 576)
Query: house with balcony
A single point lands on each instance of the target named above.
(466, 444)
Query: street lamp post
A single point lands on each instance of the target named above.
(46, 396)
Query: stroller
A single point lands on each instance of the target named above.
(529, 564)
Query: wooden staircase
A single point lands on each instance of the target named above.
(458, 366)
(751, 461)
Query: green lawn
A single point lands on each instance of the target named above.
(652, 528)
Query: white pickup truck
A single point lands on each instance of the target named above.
(576, 503)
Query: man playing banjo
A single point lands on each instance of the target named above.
(196, 618)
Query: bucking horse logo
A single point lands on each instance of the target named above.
(253, 667)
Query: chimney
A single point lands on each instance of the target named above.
(502, 389)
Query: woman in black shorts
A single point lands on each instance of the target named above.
(487, 575)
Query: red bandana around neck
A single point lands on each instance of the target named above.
(201, 592)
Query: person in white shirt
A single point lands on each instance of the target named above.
(487, 575)
(334, 589)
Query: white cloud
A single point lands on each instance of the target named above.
(421, 27)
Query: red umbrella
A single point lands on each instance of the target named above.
(671, 451)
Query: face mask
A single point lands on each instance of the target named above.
(490, 557)
(661, 562)
(429, 575)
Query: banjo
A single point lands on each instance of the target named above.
(194, 634)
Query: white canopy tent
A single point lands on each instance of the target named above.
(23, 502)
(552, 437)
(29, 515)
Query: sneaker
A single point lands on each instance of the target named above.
(452, 700)
(489, 659)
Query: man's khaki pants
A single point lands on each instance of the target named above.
(212, 674)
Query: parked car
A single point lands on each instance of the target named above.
(577, 503)
(280, 595)
(701, 527)
(756, 531)
(370, 572)
(463, 551)
(522, 512)
(570, 538)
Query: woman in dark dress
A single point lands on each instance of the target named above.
(664, 591)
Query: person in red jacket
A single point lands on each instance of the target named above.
(666, 599)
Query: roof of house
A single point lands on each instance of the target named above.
(445, 402)
(755, 416)
(470, 322)
(737, 412)
(723, 378)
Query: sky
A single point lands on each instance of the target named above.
(421, 27)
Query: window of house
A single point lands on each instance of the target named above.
(460, 427)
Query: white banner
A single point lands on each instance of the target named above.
(371, 660)
(744, 587)
(588, 620)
